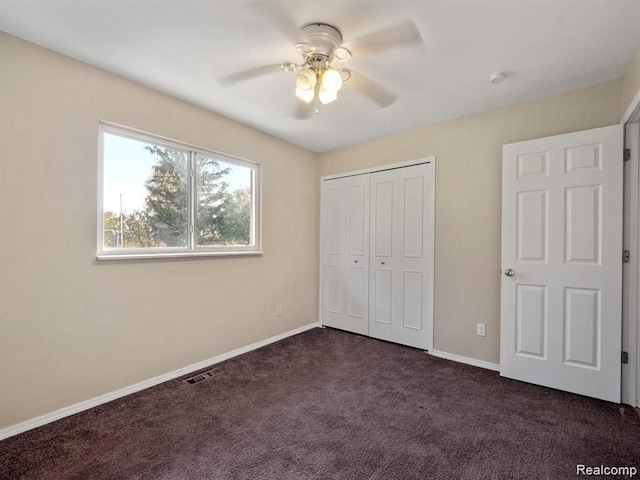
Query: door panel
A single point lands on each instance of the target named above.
(383, 286)
(581, 327)
(356, 291)
(412, 299)
(583, 157)
(582, 240)
(415, 262)
(383, 296)
(358, 235)
(533, 164)
(531, 320)
(346, 253)
(383, 221)
(332, 288)
(413, 218)
(401, 290)
(562, 237)
(532, 226)
(333, 220)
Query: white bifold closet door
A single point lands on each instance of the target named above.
(377, 258)
(401, 278)
(346, 253)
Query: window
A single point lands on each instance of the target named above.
(163, 198)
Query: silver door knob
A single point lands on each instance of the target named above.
(509, 272)
(382, 263)
(355, 261)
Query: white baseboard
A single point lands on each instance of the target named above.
(469, 361)
(107, 397)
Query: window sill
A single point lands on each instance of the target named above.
(145, 256)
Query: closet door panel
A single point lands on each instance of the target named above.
(332, 293)
(332, 286)
(413, 259)
(383, 290)
(357, 286)
(381, 296)
(357, 210)
(399, 234)
(412, 217)
(382, 221)
(346, 253)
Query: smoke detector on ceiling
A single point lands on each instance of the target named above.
(497, 77)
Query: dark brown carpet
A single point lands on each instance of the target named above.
(330, 405)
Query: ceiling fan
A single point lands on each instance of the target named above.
(320, 74)
(318, 78)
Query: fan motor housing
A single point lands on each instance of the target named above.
(319, 38)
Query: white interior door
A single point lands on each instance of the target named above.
(346, 253)
(401, 265)
(562, 262)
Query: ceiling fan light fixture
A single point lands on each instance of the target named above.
(305, 95)
(306, 79)
(326, 96)
(331, 80)
(317, 79)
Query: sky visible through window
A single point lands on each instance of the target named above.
(127, 166)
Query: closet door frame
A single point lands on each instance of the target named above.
(430, 240)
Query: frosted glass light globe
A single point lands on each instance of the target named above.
(306, 79)
(306, 95)
(331, 80)
(326, 96)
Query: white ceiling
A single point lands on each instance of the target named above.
(182, 47)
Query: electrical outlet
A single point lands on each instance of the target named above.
(278, 310)
(481, 329)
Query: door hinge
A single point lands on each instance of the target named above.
(627, 154)
(626, 256)
(625, 357)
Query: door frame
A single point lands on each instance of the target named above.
(430, 240)
(631, 283)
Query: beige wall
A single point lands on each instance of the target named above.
(72, 328)
(468, 199)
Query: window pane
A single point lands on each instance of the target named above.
(223, 203)
(145, 202)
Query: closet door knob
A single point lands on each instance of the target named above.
(382, 263)
(355, 261)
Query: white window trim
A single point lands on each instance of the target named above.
(191, 250)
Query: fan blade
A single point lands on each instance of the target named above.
(275, 16)
(400, 35)
(250, 74)
(374, 91)
(303, 110)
